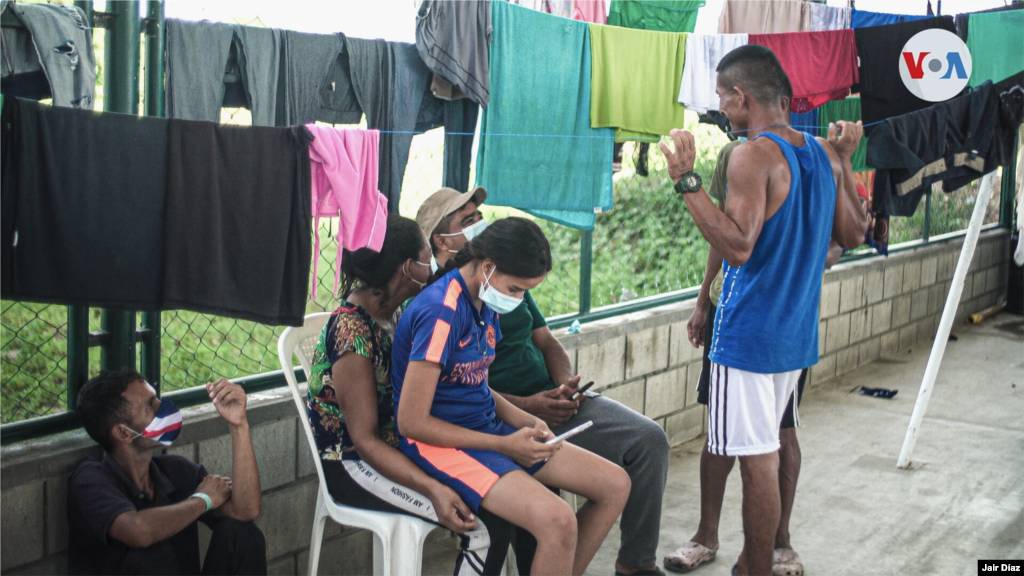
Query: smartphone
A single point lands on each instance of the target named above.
(571, 433)
(581, 390)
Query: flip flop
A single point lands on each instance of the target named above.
(647, 572)
(786, 562)
(689, 557)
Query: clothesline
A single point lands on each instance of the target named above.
(580, 136)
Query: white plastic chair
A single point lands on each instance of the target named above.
(397, 538)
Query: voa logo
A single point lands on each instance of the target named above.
(935, 65)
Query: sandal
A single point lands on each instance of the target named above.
(647, 572)
(786, 562)
(689, 557)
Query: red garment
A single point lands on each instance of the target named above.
(821, 65)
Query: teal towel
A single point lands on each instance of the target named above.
(996, 45)
(537, 150)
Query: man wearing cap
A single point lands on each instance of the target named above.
(450, 218)
(532, 370)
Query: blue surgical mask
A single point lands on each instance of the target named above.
(165, 427)
(433, 264)
(497, 300)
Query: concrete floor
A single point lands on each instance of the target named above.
(855, 512)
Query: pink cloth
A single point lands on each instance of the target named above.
(593, 11)
(343, 171)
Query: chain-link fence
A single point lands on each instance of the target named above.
(648, 245)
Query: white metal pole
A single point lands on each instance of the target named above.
(946, 323)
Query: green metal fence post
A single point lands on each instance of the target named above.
(927, 216)
(121, 94)
(154, 98)
(586, 268)
(78, 352)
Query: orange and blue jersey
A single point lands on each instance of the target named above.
(442, 325)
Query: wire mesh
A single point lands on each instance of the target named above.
(647, 245)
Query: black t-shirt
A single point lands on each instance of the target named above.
(882, 92)
(100, 491)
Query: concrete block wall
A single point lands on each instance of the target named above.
(870, 309)
(878, 308)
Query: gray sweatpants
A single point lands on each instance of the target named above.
(639, 445)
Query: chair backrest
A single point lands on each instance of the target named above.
(301, 341)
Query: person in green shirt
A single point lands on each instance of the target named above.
(533, 371)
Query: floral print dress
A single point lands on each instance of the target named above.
(349, 330)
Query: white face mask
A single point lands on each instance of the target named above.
(471, 231)
(433, 264)
(497, 300)
(421, 284)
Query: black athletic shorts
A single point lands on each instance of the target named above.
(705, 375)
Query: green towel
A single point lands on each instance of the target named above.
(848, 110)
(996, 43)
(665, 16)
(636, 77)
(537, 151)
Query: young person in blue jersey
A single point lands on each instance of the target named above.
(495, 456)
(351, 405)
(790, 195)
(532, 370)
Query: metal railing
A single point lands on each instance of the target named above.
(644, 253)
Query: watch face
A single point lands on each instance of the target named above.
(691, 182)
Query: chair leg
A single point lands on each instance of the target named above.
(318, 534)
(381, 555)
(407, 548)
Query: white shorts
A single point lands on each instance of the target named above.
(745, 410)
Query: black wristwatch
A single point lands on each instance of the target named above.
(690, 182)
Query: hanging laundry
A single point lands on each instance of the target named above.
(199, 216)
(664, 16)
(452, 38)
(460, 117)
(821, 65)
(390, 82)
(764, 17)
(593, 11)
(806, 122)
(949, 140)
(22, 73)
(198, 53)
(344, 186)
(537, 150)
(882, 92)
(864, 19)
(962, 20)
(849, 110)
(1011, 114)
(75, 229)
(703, 53)
(825, 17)
(561, 8)
(237, 221)
(996, 41)
(718, 119)
(317, 86)
(58, 41)
(636, 79)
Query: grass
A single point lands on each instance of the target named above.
(646, 246)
